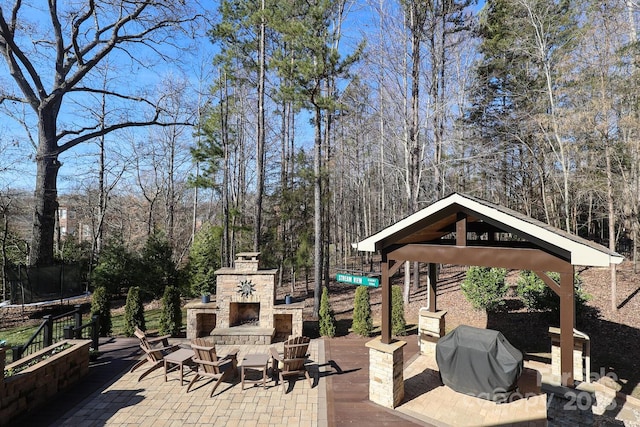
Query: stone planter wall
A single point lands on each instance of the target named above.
(26, 389)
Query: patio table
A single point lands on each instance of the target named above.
(179, 358)
(256, 362)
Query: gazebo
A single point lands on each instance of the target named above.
(464, 230)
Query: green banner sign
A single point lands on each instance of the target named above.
(358, 280)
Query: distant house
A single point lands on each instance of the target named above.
(67, 222)
(72, 222)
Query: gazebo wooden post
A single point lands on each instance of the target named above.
(386, 301)
(567, 323)
(433, 277)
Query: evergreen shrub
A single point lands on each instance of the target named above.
(116, 268)
(398, 322)
(156, 267)
(204, 260)
(536, 295)
(485, 288)
(133, 312)
(171, 315)
(362, 321)
(327, 318)
(101, 305)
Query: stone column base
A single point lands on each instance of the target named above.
(581, 355)
(431, 327)
(386, 380)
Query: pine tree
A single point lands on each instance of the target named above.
(115, 269)
(204, 260)
(327, 319)
(485, 288)
(362, 321)
(156, 265)
(133, 312)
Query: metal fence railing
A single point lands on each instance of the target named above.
(56, 328)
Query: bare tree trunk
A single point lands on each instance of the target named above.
(5, 236)
(171, 190)
(612, 226)
(317, 212)
(102, 191)
(407, 282)
(226, 220)
(46, 192)
(633, 41)
(260, 133)
(194, 216)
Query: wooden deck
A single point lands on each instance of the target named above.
(348, 392)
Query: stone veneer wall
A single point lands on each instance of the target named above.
(227, 292)
(201, 318)
(386, 380)
(431, 327)
(29, 388)
(273, 319)
(248, 337)
(295, 310)
(246, 268)
(581, 356)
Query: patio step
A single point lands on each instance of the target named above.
(243, 335)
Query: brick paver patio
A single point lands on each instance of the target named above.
(340, 384)
(154, 402)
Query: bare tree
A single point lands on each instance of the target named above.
(51, 57)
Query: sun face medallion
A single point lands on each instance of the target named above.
(246, 288)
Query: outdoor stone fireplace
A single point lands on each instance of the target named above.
(245, 307)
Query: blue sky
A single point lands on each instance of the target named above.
(17, 168)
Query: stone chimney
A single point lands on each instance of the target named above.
(247, 262)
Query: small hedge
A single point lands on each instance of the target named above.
(101, 305)
(327, 319)
(133, 312)
(485, 288)
(171, 316)
(362, 321)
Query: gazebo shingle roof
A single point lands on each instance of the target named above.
(434, 223)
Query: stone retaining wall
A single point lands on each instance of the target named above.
(27, 389)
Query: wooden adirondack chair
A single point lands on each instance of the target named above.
(210, 365)
(292, 361)
(155, 348)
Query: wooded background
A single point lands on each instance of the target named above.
(318, 123)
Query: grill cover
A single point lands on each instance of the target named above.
(479, 362)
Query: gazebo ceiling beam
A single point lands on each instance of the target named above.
(505, 257)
